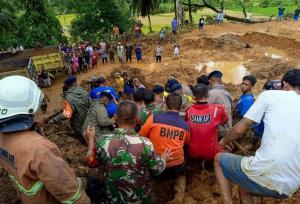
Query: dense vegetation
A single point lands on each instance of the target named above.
(28, 22)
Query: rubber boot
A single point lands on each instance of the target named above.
(179, 187)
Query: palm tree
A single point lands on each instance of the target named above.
(144, 7)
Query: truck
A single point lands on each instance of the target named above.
(30, 62)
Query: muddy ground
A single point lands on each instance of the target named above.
(265, 50)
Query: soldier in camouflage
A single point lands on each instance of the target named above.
(126, 158)
(145, 113)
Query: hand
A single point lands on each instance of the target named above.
(90, 133)
(222, 142)
(167, 155)
(51, 122)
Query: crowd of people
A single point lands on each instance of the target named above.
(136, 134)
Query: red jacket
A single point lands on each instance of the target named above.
(203, 120)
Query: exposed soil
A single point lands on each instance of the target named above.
(246, 44)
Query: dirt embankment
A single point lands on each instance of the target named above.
(233, 43)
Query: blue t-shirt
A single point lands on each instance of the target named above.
(111, 107)
(244, 104)
(281, 11)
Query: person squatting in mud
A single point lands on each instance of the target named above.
(128, 160)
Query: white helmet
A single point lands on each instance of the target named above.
(19, 96)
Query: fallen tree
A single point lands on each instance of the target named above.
(228, 17)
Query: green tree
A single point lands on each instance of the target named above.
(7, 16)
(95, 19)
(38, 24)
(145, 8)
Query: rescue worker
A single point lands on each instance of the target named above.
(150, 108)
(186, 100)
(76, 105)
(168, 130)
(102, 87)
(219, 95)
(34, 164)
(203, 120)
(159, 97)
(97, 116)
(127, 159)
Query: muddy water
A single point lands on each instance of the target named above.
(233, 72)
(275, 53)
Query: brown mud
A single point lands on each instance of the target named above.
(265, 50)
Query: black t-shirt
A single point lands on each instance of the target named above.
(297, 12)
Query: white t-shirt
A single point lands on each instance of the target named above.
(276, 164)
(176, 50)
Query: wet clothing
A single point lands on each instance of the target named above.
(97, 117)
(167, 131)
(128, 49)
(37, 170)
(146, 112)
(126, 159)
(203, 120)
(231, 167)
(244, 104)
(276, 163)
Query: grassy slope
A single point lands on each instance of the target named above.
(162, 20)
(269, 10)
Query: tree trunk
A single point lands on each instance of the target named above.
(190, 13)
(149, 20)
(180, 13)
(232, 18)
(175, 9)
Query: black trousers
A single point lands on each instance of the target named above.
(158, 58)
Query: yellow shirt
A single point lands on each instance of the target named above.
(120, 84)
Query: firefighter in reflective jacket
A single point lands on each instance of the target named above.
(34, 164)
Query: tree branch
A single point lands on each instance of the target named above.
(228, 17)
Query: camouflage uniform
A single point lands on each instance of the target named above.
(146, 112)
(126, 159)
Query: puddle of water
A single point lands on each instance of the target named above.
(275, 53)
(233, 72)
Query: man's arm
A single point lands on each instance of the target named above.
(66, 114)
(103, 119)
(155, 163)
(237, 131)
(58, 178)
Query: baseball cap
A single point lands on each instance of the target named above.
(175, 87)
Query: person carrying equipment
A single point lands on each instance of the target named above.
(76, 105)
(34, 164)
